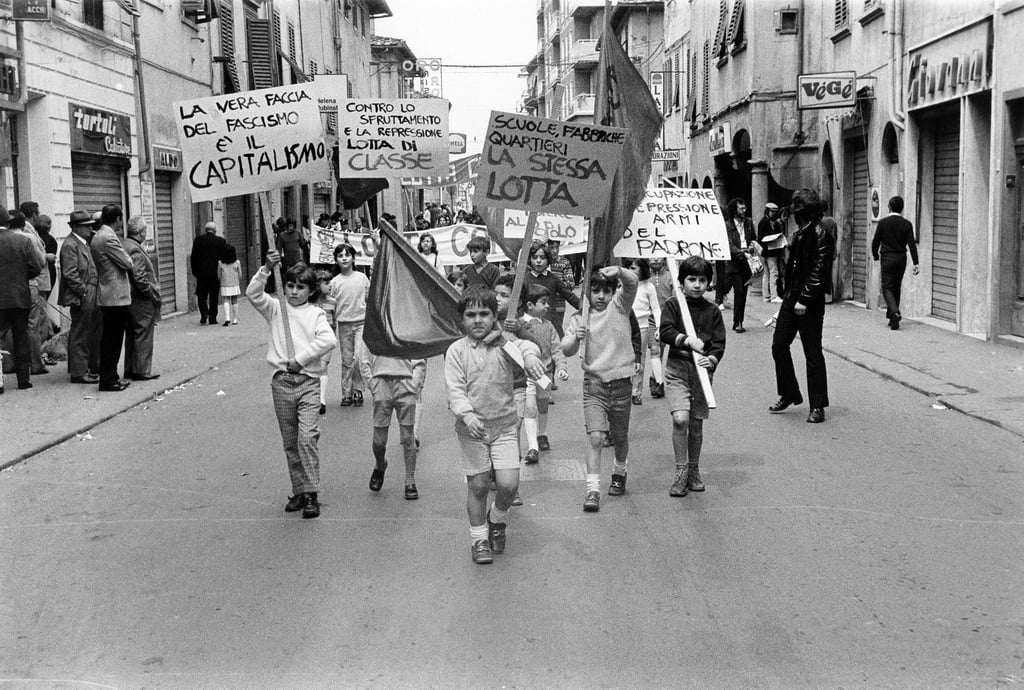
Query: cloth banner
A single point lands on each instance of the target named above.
(570, 231)
(411, 310)
(451, 243)
(676, 223)
(459, 172)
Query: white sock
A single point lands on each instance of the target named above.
(227, 310)
(478, 533)
(619, 469)
(530, 425)
(498, 515)
(323, 390)
(656, 370)
(593, 482)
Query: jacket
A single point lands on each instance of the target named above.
(738, 263)
(19, 263)
(145, 285)
(78, 277)
(809, 269)
(206, 253)
(113, 266)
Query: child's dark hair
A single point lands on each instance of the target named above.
(229, 256)
(643, 264)
(695, 266)
(543, 249)
(456, 276)
(506, 279)
(479, 243)
(479, 297)
(599, 281)
(301, 273)
(344, 247)
(323, 274)
(534, 293)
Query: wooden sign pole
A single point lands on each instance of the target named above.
(269, 234)
(702, 373)
(522, 264)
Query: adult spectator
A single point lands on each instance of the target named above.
(206, 252)
(144, 311)
(20, 262)
(291, 246)
(38, 320)
(768, 227)
(78, 285)
(740, 231)
(114, 268)
(893, 236)
(808, 278)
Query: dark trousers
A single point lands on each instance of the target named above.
(84, 339)
(17, 320)
(115, 324)
(809, 327)
(721, 281)
(138, 340)
(208, 294)
(893, 267)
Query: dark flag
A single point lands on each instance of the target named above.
(623, 100)
(411, 311)
(354, 192)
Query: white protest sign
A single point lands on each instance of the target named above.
(251, 142)
(549, 166)
(676, 223)
(451, 243)
(570, 231)
(393, 138)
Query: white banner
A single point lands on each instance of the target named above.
(451, 243)
(251, 142)
(393, 138)
(570, 231)
(676, 223)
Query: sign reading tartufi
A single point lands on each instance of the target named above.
(536, 164)
(676, 223)
(99, 131)
(251, 142)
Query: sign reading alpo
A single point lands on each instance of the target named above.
(828, 90)
(251, 142)
(393, 138)
(535, 164)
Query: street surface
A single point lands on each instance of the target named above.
(879, 549)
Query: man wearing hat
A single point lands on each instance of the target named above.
(769, 236)
(78, 284)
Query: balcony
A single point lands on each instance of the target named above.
(584, 53)
(581, 105)
(583, 8)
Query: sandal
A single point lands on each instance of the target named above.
(377, 478)
(357, 398)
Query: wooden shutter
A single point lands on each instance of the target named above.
(736, 34)
(706, 101)
(842, 13)
(720, 33)
(261, 70)
(291, 40)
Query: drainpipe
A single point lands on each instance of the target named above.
(896, 43)
(800, 136)
(145, 159)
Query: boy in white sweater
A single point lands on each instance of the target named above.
(608, 368)
(295, 386)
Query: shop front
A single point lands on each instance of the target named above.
(100, 157)
(167, 169)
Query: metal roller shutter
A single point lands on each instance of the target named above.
(945, 214)
(236, 230)
(164, 259)
(859, 248)
(96, 182)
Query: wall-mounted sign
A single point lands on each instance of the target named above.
(826, 90)
(166, 158)
(875, 204)
(30, 10)
(456, 143)
(958, 65)
(99, 131)
(665, 155)
(428, 81)
(720, 139)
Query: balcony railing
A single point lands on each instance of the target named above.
(584, 52)
(580, 105)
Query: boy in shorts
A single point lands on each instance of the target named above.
(686, 399)
(479, 373)
(394, 384)
(609, 363)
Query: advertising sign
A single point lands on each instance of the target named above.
(451, 244)
(720, 138)
(549, 166)
(429, 81)
(99, 131)
(456, 143)
(30, 11)
(676, 223)
(393, 138)
(827, 90)
(665, 155)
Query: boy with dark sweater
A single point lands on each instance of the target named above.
(480, 273)
(686, 398)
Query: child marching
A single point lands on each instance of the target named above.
(348, 290)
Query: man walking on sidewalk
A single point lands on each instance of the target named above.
(892, 237)
(206, 252)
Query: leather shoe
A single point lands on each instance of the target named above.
(295, 503)
(411, 494)
(115, 387)
(144, 377)
(377, 479)
(85, 378)
(40, 372)
(739, 329)
(817, 416)
(781, 404)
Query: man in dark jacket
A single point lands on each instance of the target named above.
(808, 278)
(206, 252)
(19, 263)
(893, 236)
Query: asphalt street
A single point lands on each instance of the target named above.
(880, 549)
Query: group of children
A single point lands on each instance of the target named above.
(497, 377)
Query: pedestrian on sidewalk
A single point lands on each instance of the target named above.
(207, 250)
(808, 279)
(740, 232)
(19, 263)
(687, 402)
(893, 236)
(229, 275)
(295, 386)
(38, 320)
(772, 242)
(480, 376)
(79, 283)
(144, 310)
(114, 268)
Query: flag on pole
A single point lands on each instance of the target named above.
(623, 100)
(411, 311)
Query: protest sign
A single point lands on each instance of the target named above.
(451, 243)
(570, 231)
(549, 166)
(250, 142)
(329, 90)
(393, 138)
(676, 223)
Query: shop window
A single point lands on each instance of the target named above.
(92, 13)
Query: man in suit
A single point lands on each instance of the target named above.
(113, 267)
(144, 310)
(19, 263)
(206, 252)
(892, 237)
(78, 284)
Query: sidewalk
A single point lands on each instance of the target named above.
(981, 379)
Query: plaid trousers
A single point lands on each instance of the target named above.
(297, 406)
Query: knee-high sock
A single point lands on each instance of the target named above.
(323, 389)
(530, 424)
(409, 453)
(696, 441)
(656, 371)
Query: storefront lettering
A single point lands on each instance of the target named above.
(941, 80)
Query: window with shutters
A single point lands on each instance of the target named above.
(259, 42)
(677, 81)
(721, 47)
(291, 40)
(691, 87)
(227, 47)
(667, 86)
(842, 15)
(92, 13)
(312, 68)
(705, 99)
(737, 37)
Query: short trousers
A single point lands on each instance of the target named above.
(396, 393)
(606, 405)
(682, 388)
(498, 450)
